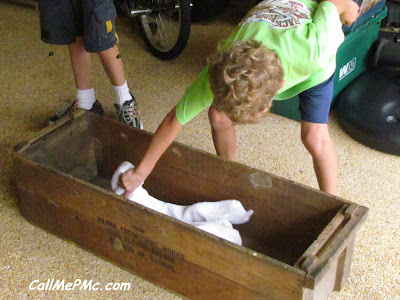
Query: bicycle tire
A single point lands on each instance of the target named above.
(177, 13)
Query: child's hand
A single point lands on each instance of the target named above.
(131, 180)
(350, 14)
(347, 9)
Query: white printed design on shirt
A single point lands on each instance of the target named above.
(281, 14)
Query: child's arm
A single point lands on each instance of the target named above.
(196, 98)
(347, 9)
(162, 139)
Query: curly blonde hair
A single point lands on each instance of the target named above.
(244, 80)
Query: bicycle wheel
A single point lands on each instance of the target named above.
(166, 28)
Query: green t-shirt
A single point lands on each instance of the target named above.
(304, 34)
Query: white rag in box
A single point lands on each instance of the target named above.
(214, 217)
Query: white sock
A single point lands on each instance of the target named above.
(85, 98)
(122, 93)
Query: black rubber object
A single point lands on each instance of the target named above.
(387, 54)
(205, 9)
(369, 109)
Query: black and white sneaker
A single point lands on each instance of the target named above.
(68, 108)
(128, 113)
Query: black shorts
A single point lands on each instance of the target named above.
(61, 21)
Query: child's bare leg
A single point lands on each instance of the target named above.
(81, 65)
(223, 133)
(113, 66)
(318, 142)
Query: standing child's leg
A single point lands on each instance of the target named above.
(125, 103)
(82, 67)
(61, 24)
(318, 142)
(223, 133)
(113, 65)
(81, 64)
(100, 38)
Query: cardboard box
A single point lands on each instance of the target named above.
(297, 245)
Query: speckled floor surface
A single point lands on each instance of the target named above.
(34, 84)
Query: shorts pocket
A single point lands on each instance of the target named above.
(105, 19)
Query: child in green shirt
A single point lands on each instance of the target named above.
(280, 49)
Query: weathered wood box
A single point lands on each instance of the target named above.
(297, 245)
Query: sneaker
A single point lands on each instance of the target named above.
(128, 113)
(68, 108)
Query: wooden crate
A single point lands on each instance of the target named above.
(297, 245)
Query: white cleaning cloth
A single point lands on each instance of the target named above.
(214, 217)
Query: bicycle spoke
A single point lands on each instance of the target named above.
(160, 35)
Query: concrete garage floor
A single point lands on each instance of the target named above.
(34, 84)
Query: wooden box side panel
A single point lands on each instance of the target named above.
(148, 243)
(69, 148)
(200, 166)
(142, 257)
(334, 276)
(287, 215)
(331, 270)
(328, 260)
